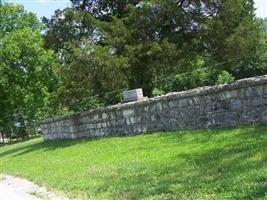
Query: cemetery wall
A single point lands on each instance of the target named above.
(228, 105)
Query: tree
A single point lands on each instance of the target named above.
(260, 65)
(232, 37)
(83, 67)
(26, 75)
(105, 9)
(67, 27)
(88, 74)
(150, 39)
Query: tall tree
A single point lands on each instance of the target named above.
(105, 9)
(26, 75)
(150, 39)
(232, 37)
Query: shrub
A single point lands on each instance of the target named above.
(157, 92)
(224, 77)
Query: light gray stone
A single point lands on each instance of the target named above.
(133, 95)
(264, 116)
(257, 101)
(231, 94)
(128, 112)
(236, 104)
(95, 117)
(242, 102)
(104, 116)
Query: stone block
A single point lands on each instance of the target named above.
(231, 94)
(153, 118)
(98, 132)
(128, 121)
(172, 104)
(196, 100)
(120, 122)
(104, 124)
(156, 107)
(128, 112)
(133, 95)
(236, 104)
(184, 102)
(98, 125)
(264, 116)
(95, 117)
(252, 92)
(132, 120)
(104, 116)
(257, 102)
(137, 129)
(226, 105)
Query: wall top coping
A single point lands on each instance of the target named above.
(242, 83)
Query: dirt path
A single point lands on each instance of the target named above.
(14, 188)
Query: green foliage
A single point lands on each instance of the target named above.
(198, 77)
(263, 28)
(262, 61)
(109, 45)
(68, 27)
(105, 9)
(202, 164)
(157, 92)
(26, 75)
(233, 36)
(83, 77)
(104, 46)
(14, 18)
(224, 77)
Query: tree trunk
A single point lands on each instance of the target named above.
(2, 135)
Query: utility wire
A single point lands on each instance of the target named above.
(208, 67)
(170, 76)
(155, 81)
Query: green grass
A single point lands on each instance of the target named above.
(205, 164)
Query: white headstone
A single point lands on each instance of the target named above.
(133, 95)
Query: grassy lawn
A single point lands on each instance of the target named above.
(205, 164)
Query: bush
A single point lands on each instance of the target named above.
(224, 77)
(157, 92)
(199, 77)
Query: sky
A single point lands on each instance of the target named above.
(42, 7)
(261, 6)
(47, 7)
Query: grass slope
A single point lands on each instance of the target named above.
(205, 164)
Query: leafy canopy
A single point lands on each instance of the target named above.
(138, 42)
(26, 75)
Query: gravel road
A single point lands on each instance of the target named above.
(14, 188)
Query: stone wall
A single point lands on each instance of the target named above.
(238, 103)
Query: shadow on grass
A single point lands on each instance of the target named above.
(18, 140)
(218, 166)
(230, 171)
(49, 145)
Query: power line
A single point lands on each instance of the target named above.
(82, 100)
(170, 76)
(208, 67)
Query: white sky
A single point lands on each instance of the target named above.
(261, 8)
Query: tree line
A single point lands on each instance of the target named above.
(83, 56)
